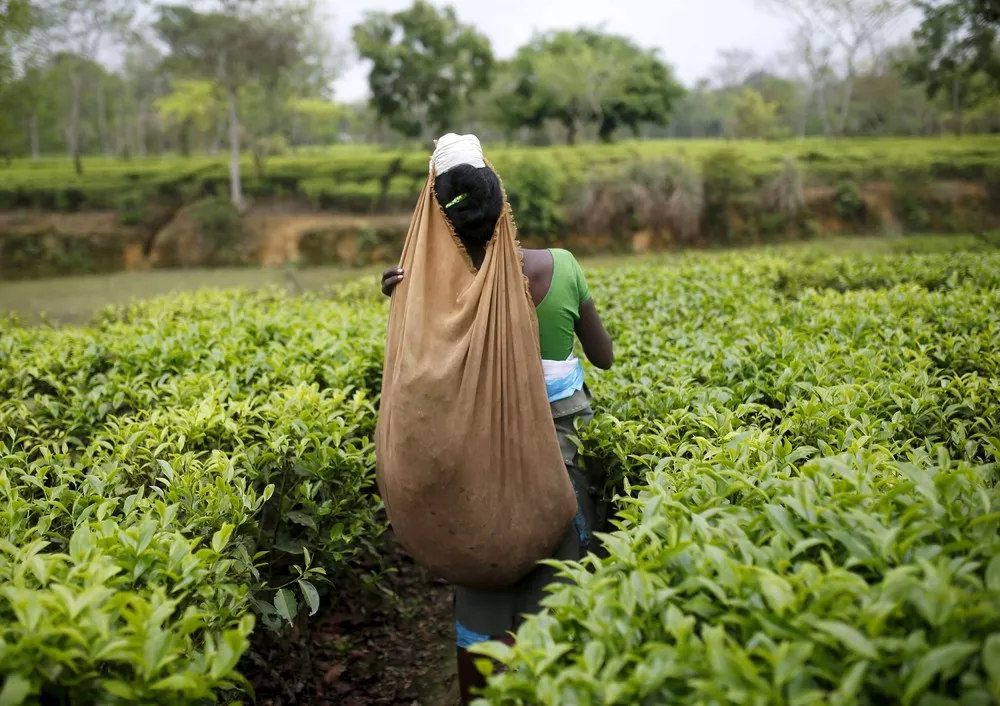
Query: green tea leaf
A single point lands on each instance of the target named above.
(16, 690)
(993, 574)
(937, 662)
(991, 658)
(221, 538)
(311, 595)
(853, 639)
(782, 521)
(284, 603)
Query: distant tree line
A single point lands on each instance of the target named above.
(127, 78)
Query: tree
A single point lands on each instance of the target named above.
(649, 94)
(315, 120)
(734, 66)
(840, 29)
(754, 116)
(191, 105)
(17, 18)
(237, 46)
(582, 79)
(955, 42)
(78, 29)
(425, 66)
(587, 77)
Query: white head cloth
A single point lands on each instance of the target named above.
(453, 150)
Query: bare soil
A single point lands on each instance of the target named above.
(367, 650)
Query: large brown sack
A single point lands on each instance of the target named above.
(468, 463)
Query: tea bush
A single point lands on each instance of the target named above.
(172, 476)
(809, 459)
(349, 176)
(803, 447)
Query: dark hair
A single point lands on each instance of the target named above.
(476, 199)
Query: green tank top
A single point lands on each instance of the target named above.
(559, 311)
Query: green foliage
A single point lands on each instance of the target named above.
(220, 229)
(850, 203)
(992, 178)
(347, 168)
(132, 207)
(174, 475)
(425, 66)
(664, 197)
(533, 191)
(807, 449)
(754, 116)
(804, 445)
(587, 77)
(784, 192)
(727, 176)
(909, 199)
(34, 255)
(956, 43)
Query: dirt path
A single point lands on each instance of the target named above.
(368, 651)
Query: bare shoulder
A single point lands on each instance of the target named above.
(536, 260)
(538, 269)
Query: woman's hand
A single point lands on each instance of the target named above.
(390, 278)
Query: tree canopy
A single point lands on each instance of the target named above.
(425, 65)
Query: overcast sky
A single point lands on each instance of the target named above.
(689, 33)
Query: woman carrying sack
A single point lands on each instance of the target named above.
(469, 193)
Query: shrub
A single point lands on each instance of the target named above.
(850, 204)
(909, 206)
(811, 502)
(660, 196)
(727, 183)
(669, 195)
(533, 193)
(992, 180)
(726, 176)
(220, 231)
(132, 207)
(784, 192)
(207, 466)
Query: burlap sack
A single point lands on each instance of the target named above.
(468, 463)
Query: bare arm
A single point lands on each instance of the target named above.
(597, 344)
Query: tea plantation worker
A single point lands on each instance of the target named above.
(473, 199)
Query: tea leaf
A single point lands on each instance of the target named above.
(16, 690)
(311, 595)
(284, 603)
(939, 661)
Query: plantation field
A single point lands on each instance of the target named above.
(804, 446)
(352, 177)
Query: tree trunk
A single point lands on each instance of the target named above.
(73, 129)
(821, 107)
(160, 135)
(121, 127)
(36, 151)
(845, 101)
(185, 137)
(216, 146)
(102, 122)
(956, 106)
(140, 129)
(235, 185)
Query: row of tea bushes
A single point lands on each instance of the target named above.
(174, 477)
(808, 454)
(365, 178)
(804, 447)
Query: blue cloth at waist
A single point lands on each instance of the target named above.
(566, 386)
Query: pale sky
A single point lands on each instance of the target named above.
(689, 33)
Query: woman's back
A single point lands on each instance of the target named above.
(558, 290)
